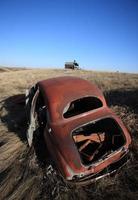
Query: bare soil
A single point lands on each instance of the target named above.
(30, 173)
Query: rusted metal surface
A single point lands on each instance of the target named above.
(88, 141)
(83, 144)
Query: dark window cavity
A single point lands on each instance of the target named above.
(81, 106)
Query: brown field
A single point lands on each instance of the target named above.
(28, 173)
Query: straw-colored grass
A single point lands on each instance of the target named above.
(24, 176)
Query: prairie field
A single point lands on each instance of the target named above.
(26, 173)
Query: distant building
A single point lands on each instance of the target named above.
(71, 65)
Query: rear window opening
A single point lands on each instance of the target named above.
(98, 139)
(81, 105)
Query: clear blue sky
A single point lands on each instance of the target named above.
(99, 34)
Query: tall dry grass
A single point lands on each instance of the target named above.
(29, 173)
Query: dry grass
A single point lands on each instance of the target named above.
(28, 174)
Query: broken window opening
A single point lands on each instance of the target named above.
(41, 111)
(82, 105)
(98, 139)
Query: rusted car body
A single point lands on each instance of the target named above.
(84, 137)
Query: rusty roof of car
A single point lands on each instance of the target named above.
(59, 91)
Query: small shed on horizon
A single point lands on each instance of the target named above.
(71, 65)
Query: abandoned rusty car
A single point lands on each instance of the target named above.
(85, 139)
